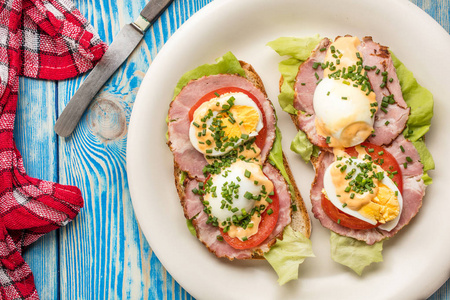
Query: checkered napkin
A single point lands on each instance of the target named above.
(46, 39)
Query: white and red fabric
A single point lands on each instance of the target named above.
(46, 39)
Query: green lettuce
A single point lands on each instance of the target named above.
(276, 158)
(299, 49)
(420, 100)
(353, 253)
(226, 64)
(191, 227)
(287, 254)
(301, 145)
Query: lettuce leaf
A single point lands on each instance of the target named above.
(276, 158)
(421, 102)
(301, 145)
(191, 227)
(287, 254)
(299, 49)
(353, 253)
(226, 64)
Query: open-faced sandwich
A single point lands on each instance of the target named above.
(235, 186)
(361, 118)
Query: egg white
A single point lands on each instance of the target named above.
(246, 185)
(336, 113)
(240, 99)
(330, 190)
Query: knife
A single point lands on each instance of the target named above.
(122, 46)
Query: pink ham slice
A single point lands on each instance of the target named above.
(373, 54)
(207, 233)
(413, 192)
(305, 85)
(186, 157)
(397, 114)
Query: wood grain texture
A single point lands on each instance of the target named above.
(103, 254)
(38, 147)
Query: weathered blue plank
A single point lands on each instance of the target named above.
(104, 253)
(36, 141)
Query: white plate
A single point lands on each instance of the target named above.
(416, 261)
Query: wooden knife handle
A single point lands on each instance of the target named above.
(154, 9)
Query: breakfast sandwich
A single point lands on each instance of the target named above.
(366, 143)
(235, 186)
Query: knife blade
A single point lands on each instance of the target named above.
(119, 50)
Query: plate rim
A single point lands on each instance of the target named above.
(194, 18)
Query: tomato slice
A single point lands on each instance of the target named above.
(261, 137)
(387, 162)
(342, 218)
(266, 226)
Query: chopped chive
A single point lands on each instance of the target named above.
(344, 205)
(247, 173)
(219, 238)
(344, 98)
(371, 150)
(401, 148)
(409, 159)
(386, 123)
(328, 140)
(270, 211)
(381, 153)
(339, 221)
(405, 165)
(303, 83)
(323, 49)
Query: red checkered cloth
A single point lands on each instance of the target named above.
(46, 39)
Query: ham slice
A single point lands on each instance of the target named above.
(387, 126)
(207, 233)
(397, 114)
(186, 157)
(413, 192)
(305, 85)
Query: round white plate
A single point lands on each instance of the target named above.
(416, 261)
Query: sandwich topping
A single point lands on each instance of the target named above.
(227, 127)
(221, 129)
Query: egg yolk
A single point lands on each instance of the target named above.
(378, 203)
(384, 207)
(246, 120)
(225, 123)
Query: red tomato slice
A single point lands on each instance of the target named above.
(266, 226)
(342, 218)
(389, 164)
(261, 137)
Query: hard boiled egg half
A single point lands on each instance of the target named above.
(236, 197)
(224, 122)
(344, 103)
(363, 190)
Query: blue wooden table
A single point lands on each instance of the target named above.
(103, 253)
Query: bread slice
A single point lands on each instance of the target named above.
(300, 220)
